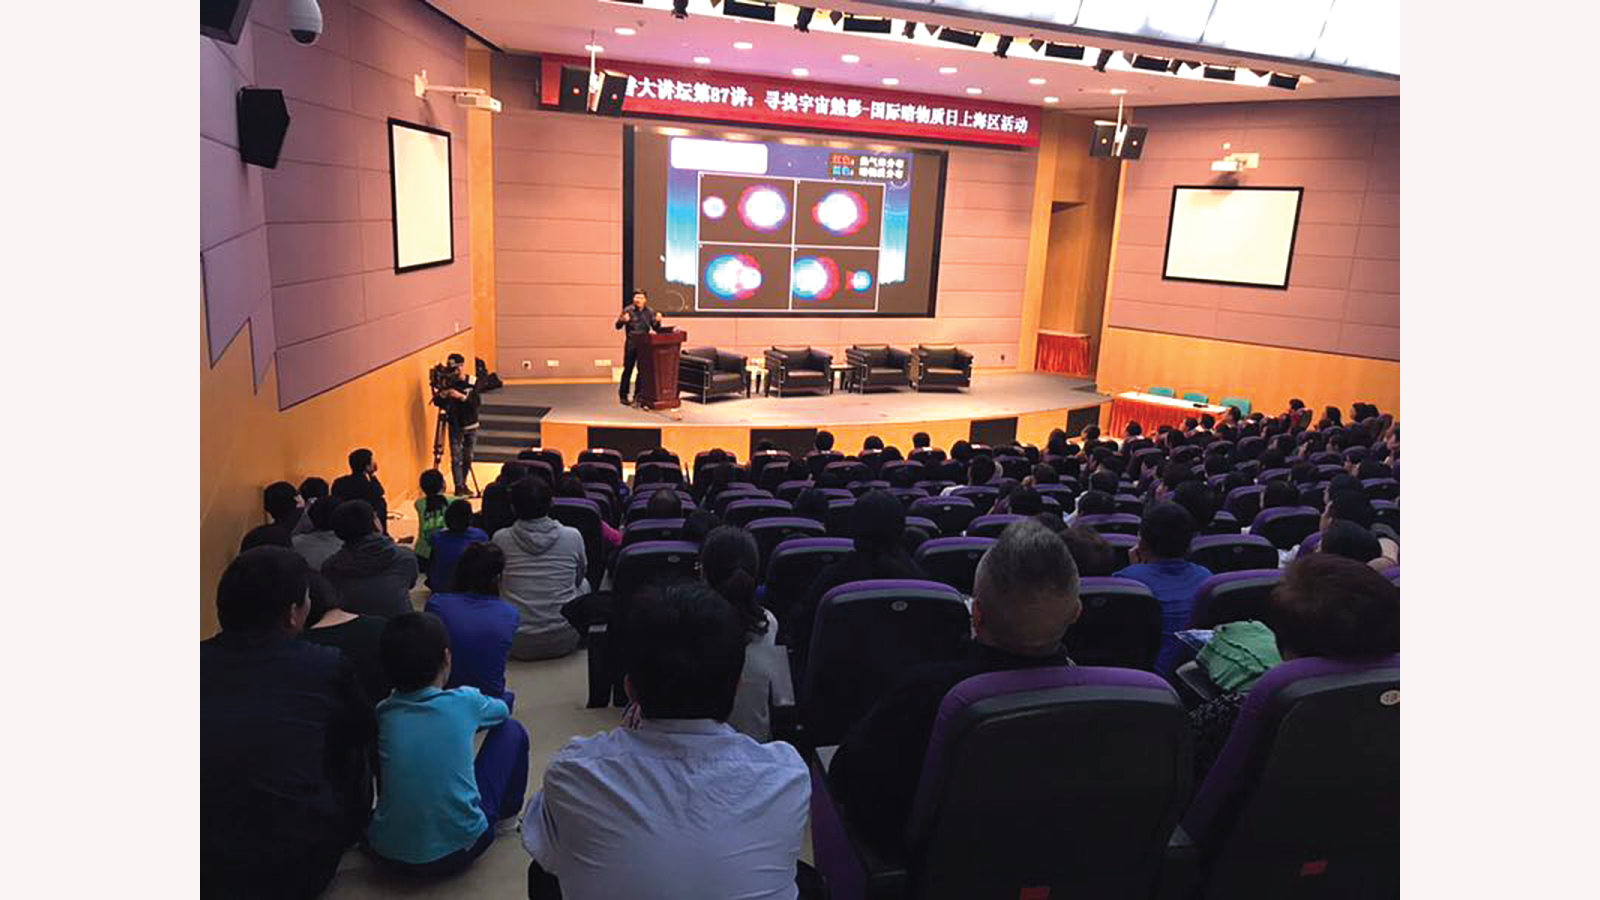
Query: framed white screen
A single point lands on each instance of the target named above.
(420, 191)
(1238, 235)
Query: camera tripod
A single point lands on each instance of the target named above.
(441, 427)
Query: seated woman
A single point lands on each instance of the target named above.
(480, 624)
(1326, 605)
(729, 562)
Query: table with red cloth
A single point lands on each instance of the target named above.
(1063, 352)
(1152, 411)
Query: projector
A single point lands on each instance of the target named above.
(478, 101)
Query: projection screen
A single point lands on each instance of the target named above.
(1237, 235)
(419, 183)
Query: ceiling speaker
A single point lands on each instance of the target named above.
(223, 20)
(263, 122)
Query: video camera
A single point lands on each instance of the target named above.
(442, 376)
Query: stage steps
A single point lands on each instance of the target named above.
(504, 429)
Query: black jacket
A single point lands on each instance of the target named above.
(640, 321)
(363, 487)
(460, 413)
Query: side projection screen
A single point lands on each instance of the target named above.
(792, 227)
(419, 184)
(1239, 235)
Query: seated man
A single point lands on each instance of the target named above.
(1025, 594)
(545, 566)
(372, 573)
(451, 542)
(1158, 561)
(311, 490)
(284, 734)
(319, 543)
(362, 484)
(481, 625)
(439, 803)
(282, 503)
(679, 805)
(664, 503)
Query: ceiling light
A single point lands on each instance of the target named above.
(868, 25)
(1151, 63)
(799, 72)
(964, 38)
(891, 82)
(702, 60)
(850, 58)
(593, 48)
(743, 45)
(1003, 46)
(625, 31)
(1105, 57)
(1219, 73)
(1036, 81)
(1052, 99)
(947, 70)
(1117, 92)
(802, 19)
(974, 90)
(1280, 80)
(680, 9)
(1064, 51)
(743, 9)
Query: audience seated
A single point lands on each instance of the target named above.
(1158, 562)
(480, 623)
(1353, 506)
(1090, 551)
(450, 543)
(1349, 540)
(496, 512)
(545, 566)
(730, 562)
(372, 573)
(572, 486)
(439, 802)
(430, 514)
(664, 503)
(362, 484)
(1094, 503)
(311, 490)
(318, 542)
(1025, 594)
(812, 503)
(283, 505)
(877, 523)
(356, 636)
(678, 804)
(285, 731)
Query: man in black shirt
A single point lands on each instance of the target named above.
(285, 732)
(459, 399)
(1025, 595)
(362, 484)
(637, 319)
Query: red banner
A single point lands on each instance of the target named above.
(706, 94)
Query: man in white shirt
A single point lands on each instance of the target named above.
(681, 805)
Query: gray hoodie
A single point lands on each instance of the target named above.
(545, 564)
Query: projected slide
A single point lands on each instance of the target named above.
(419, 178)
(792, 227)
(1241, 235)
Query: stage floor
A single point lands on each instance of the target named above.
(991, 396)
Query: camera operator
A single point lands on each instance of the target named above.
(458, 397)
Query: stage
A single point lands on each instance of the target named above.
(1036, 401)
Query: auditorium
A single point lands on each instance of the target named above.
(872, 451)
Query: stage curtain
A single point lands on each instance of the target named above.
(1065, 354)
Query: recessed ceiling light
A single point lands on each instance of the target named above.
(593, 48)
(702, 60)
(1036, 81)
(1118, 92)
(743, 45)
(625, 31)
(974, 90)
(799, 72)
(891, 81)
(850, 58)
(1052, 99)
(947, 70)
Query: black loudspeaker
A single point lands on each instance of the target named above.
(993, 432)
(1104, 140)
(1133, 142)
(574, 89)
(263, 121)
(630, 442)
(223, 20)
(1079, 419)
(613, 89)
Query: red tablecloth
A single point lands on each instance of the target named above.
(1066, 354)
(1151, 414)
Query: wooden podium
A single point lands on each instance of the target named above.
(658, 368)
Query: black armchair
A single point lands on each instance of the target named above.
(878, 365)
(798, 368)
(941, 365)
(705, 372)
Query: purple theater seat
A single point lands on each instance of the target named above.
(991, 525)
(1120, 624)
(1393, 574)
(789, 490)
(865, 634)
(739, 491)
(857, 488)
(585, 516)
(641, 502)
(953, 560)
(742, 512)
(1310, 545)
(907, 496)
(1113, 523)
(952, 513)
(771, 531)
(1286, 526)
(928, 526)
(1305, 797)
(793, 564)
(838, 522)
(1222, 522)
(1059, 782)
(1233, 597)
(1121, 546)
(1233, 552)
(640, 530)
(1244, 502)
(1381, 488)
(657, 473)
(982, 496)
(838, 474)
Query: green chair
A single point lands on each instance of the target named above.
(1243, 404)
(1196, 397)
(1162, 392)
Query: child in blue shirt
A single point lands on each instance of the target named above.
(1165, 534)
(447, 545)
(481, 624)
(438, 804)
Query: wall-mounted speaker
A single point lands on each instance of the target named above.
(1103, 141)
(613, 89)
(223, 20)
(574, 89)
(1133, 142)
(263, 122)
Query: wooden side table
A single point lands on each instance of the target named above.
(756, 378)
(840, 373)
